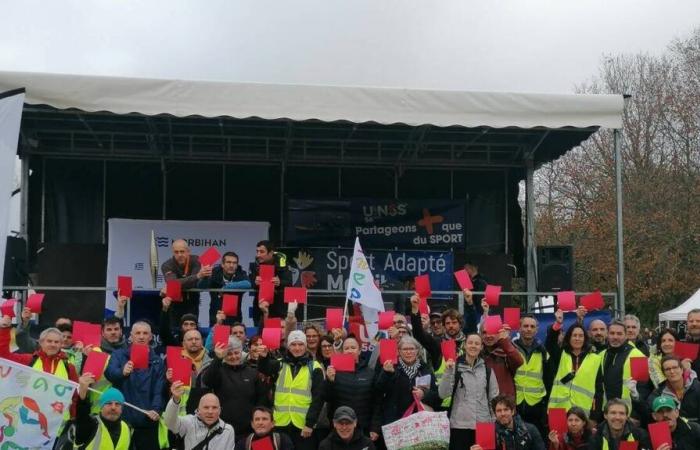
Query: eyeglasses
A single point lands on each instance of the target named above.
(667, 369)
(326, 346)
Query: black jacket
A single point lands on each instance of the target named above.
(690, 404)
(239, 390)
(358, 442)
(278, 307)
(86, 426)
(188, 279)
(280, 441)
(603, 434)
(473, 312)
(395, 388)
(356, 390)
(523, 436)
(686, 436)
(217, 281)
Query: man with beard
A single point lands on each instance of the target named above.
(693, 333)
(684, 434)
(106, 429)
(530, 378)
(598, 333)
(229, 275)
(512, 432)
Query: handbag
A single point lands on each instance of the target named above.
(422, 430)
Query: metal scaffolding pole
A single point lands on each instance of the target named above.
(620, 228)
(530, 225)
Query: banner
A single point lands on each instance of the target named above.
(11, 104)
(361, 287)
(133, 252)
(327, 268)
(32, 404)
(377, 222)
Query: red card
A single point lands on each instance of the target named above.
(139, 356)
(686, 350)
(95, 364)
(8, 308)
(334, 318)
(491, 294)
(173, 289)
(557, 420)
(423, 286)
(343, 362)
(660, 434)
(209, 257)
(271, 337)
(172, 353)
(182, 370)
(388, 351)
(492, 324)
(221, 334)
(272, 322)
(229, 305)
(386, 320)
(593, 301)
(423, 305)
(87, 333)
(125, 286)
(262, 444)
(464, 280)
(449, 349)
(486, 435)
(34, 302)
(639, 368)
(566, 300)
(295, 294)
(266, 292)
(266, 272)
(628, 445)
(511, 316)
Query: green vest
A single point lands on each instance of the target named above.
(580, 391)
(626, 375)
(529, 386)
(103, 441)
(293, 395)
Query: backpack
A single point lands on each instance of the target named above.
(458, 379)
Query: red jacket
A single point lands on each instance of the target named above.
(504, 359)
(49, 363)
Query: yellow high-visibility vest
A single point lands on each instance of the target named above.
(103, 441)
(630, 438)
(439, 373)
(626, 374)
(580, 391)
(529, 384)
(293, 395)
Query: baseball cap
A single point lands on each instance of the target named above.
(663, 401)
(344, 413)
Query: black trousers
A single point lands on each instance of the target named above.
(300, 443)
(145, 438)
(536, 415)
(461, 438)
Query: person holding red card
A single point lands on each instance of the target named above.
(299, 390)
(186, 269)
(90, 429)
(578, 435)
(512, 432)
(263, 436)
(143, 388)
(356, 390)
(501, 356)
(346, 435)
(265, 254)
(665, 345)
(228, 275)
(471, 385)
(684, 434)
(679, 385)
(618, 428)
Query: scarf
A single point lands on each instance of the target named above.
(196, 360)
(410, 371)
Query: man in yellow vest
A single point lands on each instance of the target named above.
(617, 428)
(104, 431)
(299, 386)
(530, 390)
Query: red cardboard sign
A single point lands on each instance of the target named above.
(386, 320)
(628, 445)
(229, 305)
(271, 337)
(566, 300)
(262, 444)
(492, 324)
(423, 306)
(34, 302)
(449, 349)
(388, 351)
(557, 420)
(272, 322)
(511, 316)
(334, 318)
(660, 434)
(639, 368)
(125, 286)
(593, 301)
(173, 289)
(172, 353)
(209, 257)
(139, 356)
(423, 286)
(686, 350)
(486, 435)
(8, 308)
(464, 280)
(221, 334)
(492, 294)
(343, 362)
(95, 364)
(266, 272)
(266, 292)
(182, 370)
(295, 294)
(87, 333)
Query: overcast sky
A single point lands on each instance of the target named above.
(534, 45)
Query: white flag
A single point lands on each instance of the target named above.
(32, 404)
(361, 287)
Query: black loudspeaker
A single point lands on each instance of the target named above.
(555, 268)
(15, 273)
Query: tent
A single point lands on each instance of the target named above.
(680, 312)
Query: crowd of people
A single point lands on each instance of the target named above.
(243, 394)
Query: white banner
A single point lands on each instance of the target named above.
(129, 251)
(11, 104)
(32, 404)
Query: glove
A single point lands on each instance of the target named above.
(292, 308)
(632, 386)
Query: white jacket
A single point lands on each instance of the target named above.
(194, 431)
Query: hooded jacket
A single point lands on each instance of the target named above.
(357, 442)
(356, 390)
(523, 436)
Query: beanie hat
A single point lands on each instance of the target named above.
(111, 395)
(296, 336)
(190, 317)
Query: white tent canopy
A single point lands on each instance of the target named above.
(681, 312)
(326, 103)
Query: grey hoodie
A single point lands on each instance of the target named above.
(470, 403)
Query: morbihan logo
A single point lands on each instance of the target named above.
(165, 241)
(374, 212)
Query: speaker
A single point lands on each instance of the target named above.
(555, 268)
(15, 273)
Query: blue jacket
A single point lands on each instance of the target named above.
(142, 388)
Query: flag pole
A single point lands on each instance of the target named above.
(126, 403)
(345, 309)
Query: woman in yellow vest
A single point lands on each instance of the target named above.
(577, 381)
(665, 344)
(105, 431)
